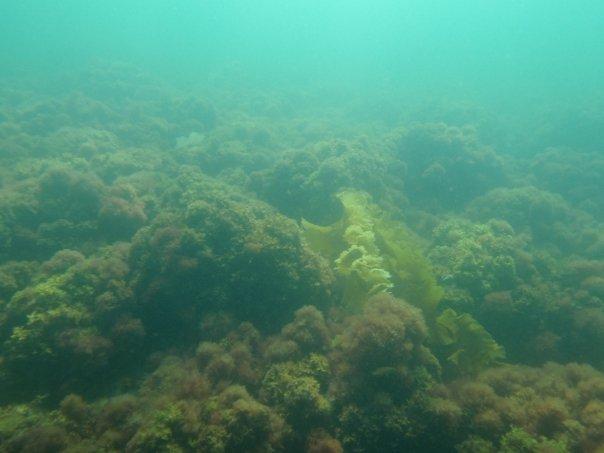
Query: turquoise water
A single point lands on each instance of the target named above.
(467, 46)
(301, 226)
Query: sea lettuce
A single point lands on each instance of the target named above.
(372, 254)
(467, 345)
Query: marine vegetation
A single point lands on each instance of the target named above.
(373, 254)
(214, 270)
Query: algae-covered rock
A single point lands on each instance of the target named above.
(219, 249)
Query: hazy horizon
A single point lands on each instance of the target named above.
(487, 48)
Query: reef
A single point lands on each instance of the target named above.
(217, 270)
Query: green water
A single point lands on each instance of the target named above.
(301, 226)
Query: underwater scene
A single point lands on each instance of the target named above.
(301, 226)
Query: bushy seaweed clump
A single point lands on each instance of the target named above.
(446, 166)
(516, 408)
(574, 175)
(63, 208)
(214, 248)
(75, 328)
(533, 300)
(382, 368)
(303, 183)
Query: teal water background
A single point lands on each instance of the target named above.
(497, 49)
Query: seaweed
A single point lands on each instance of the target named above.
(373, 254)
(468, 347)
(221, 269)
